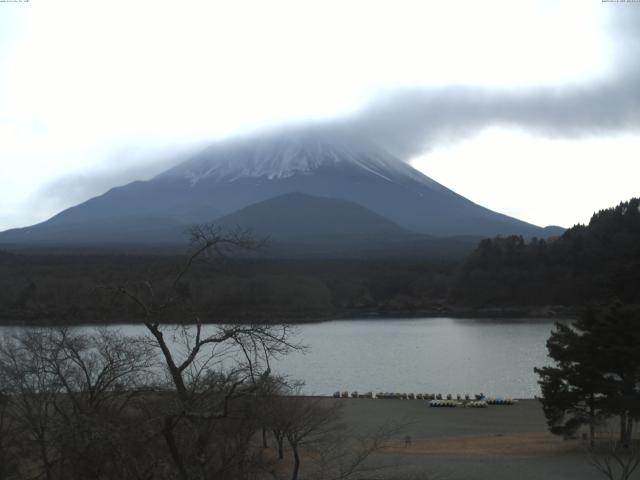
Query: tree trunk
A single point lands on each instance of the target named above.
(624, 431)
(264, 438)
(175, 372)
(167, 432)
(296, 462)
(280, 441)
(592, 423)
(45, 459)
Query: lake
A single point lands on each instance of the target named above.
(428, 355)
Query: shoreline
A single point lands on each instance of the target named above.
(462, 313)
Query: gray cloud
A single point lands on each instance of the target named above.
(412, 121)
(122, 166)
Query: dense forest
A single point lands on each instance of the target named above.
(60, 289)
(598, 262)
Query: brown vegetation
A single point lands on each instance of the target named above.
(186, 401)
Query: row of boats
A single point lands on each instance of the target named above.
(456, 403)
(484, 403)
(408, 396)
(435, 399)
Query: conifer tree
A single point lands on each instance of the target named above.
(572, 391)
(597, 372)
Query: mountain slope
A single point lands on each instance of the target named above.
(129, 230)
(301, 225)
(232, 175)
(297, 215)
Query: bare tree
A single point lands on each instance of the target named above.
(209, 367)
(274, 413)
(346, 454)
(268, 404)
(307, 421)
(614, 460)
(98, 370)
(314, 425)
(99, 373)
(31, 389)
(8, 461)
(67, 391)
(90, 405)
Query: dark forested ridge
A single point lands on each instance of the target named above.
(62, 289)
(598, 262)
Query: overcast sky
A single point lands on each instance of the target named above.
(529, 108)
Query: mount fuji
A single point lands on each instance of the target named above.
(227, 177)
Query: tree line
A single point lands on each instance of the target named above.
(598, 262)
(52, 289)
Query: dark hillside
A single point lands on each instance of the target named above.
(598, 262)
(68, 288)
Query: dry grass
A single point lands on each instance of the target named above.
(520, 444)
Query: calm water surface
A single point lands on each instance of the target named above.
(435, 355)
(422, 355)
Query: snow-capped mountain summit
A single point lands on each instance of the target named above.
(281, 156)
(230, 176)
